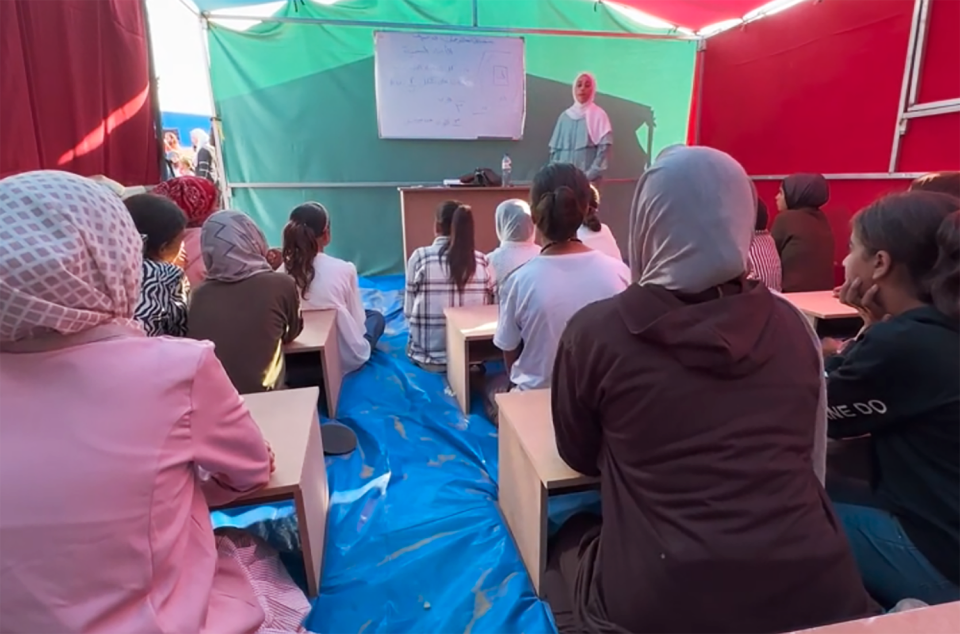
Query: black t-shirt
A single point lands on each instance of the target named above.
(900, 383)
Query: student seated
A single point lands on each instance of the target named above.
(517, 239)
(899, 382)
(245, 308)
(162, 308)
(696, 397)
(594, 233)
(764, 260)
(197, 198)
(447, 273)
(326, 282)
(108, 526)
(567, 275)
(803, 235)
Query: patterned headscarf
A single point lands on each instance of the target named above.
(233, 247)
(196, 196)
(70, 256)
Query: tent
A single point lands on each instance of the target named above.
(296, 96)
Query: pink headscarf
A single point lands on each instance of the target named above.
(598, 123)
(70, 256)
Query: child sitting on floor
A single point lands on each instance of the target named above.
(326, 282)
(447, 273)
(162, 308)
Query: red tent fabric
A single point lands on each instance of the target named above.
(694, 14)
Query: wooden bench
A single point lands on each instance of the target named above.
(320, 335)
(470, 331)
(937, 619)
(288, 421)
(531, 470)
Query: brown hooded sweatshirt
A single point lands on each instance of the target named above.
(698, 416)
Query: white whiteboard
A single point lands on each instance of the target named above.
(432, 86)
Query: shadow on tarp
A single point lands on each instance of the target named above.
(415, 541)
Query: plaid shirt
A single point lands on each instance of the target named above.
(429, 291)
(765, 261)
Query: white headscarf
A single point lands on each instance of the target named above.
(692, 220)
(514, 223)
(598, 123)
(199, 138)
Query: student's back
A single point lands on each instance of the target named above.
(329, 283)
(803, 235)
(447, 273)
(542, 295)
(247, 310)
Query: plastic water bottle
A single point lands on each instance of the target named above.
(506, 166)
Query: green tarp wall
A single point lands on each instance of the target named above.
(297, 105)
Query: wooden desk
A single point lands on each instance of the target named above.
(288, 421)
(530, 471)
(320, 335)
(418, 209)
(937, 619)
(821, 305)
(470, 333)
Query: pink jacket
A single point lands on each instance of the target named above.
(104, 520)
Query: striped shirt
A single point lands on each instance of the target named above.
(429, 291)
(765, 261)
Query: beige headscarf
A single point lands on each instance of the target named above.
(70, 256)
(691, 225)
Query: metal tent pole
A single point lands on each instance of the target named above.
(901, 125)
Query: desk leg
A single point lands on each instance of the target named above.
(523, 503)
(458, 368)
(332, 373)
(312, 500)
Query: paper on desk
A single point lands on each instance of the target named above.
(452, 182)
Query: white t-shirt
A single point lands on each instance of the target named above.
(335, 286)
(506, 258)
(541, 297)
(602, 241)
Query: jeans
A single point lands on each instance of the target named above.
(375, 324)
(891, 566)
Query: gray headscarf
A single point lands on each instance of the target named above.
(514, 223)
(692, 220)
(233, 247)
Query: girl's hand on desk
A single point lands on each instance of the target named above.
(273, 458)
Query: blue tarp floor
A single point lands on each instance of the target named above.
(415, 540)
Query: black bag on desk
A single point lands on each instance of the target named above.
(482, 177)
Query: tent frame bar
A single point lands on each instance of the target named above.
(853, 176)
(381, 184)
(452, 28)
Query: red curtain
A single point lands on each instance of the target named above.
(75, 79)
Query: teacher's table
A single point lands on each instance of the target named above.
(531, 469)
(288, 421)
(418, 209)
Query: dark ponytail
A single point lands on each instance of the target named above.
(945, 276)
(307, 224)
(919, 230)
(559, 198)
(592, 221)
(454, 219)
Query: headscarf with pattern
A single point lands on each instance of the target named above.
(70, 256)
(233, 247)
(197, 197)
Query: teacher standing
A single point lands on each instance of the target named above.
(583, 135)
